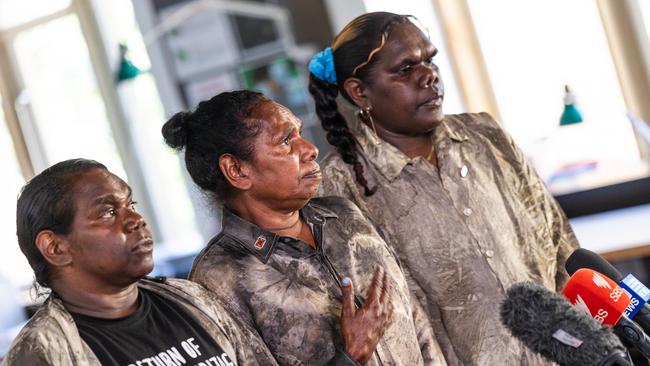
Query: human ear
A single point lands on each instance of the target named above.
(357, 91)
(54, 248)
(236, 173)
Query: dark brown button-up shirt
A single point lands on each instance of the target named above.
(464, 231)
(290, 292)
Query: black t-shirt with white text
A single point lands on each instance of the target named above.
(158, 333)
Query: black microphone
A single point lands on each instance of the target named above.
(547, 324)
(639, 309)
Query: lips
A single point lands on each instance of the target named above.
(143, 246)
(434, 100)
(314, 174)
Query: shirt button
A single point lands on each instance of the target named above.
(463, 171)
(489, 253)
(467, 211)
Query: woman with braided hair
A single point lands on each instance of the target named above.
(451, 194)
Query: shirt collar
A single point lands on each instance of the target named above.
(388, 159)
(260, 242)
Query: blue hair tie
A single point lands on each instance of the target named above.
(322, 66)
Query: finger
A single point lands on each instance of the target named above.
(387, 302)
(387, 312)
(386, 307)
(347, 311)
(375, 285)
(386, 318)
(386, 288)
(389, 306)
(381, 286)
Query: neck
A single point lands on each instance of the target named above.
(106, 302)
(282, 221)
(411, 145)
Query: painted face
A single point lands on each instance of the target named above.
(284, 171)
(404, 87)
(110, 242)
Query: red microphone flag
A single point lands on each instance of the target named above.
(597, 295)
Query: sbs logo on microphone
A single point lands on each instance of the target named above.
(601, 315)
(600, 281)
(616, 294)
(581, 305)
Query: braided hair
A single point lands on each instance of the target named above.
(353, 49)
(218, 126)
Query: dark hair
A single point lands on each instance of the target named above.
(46, 203)
(353, 48)
(221, 125)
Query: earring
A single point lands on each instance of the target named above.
(364, 116)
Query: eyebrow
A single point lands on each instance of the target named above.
(111, 199)
(429, 52)
(296, 123)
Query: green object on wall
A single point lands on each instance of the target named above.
(127, 69)
(571, 114)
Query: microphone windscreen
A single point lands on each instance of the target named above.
(584, 258)
(597, 296)
(546, 323)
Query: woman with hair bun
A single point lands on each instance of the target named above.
(452, 195)
(286, 263)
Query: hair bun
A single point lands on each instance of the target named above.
(174, 131)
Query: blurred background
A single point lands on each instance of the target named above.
(570, 80)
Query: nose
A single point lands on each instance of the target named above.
(309, 151)
(428, 75)
(133, 220)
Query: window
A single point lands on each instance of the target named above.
(13, 265)
(66, 106)
(558, 43)
(13, 12)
